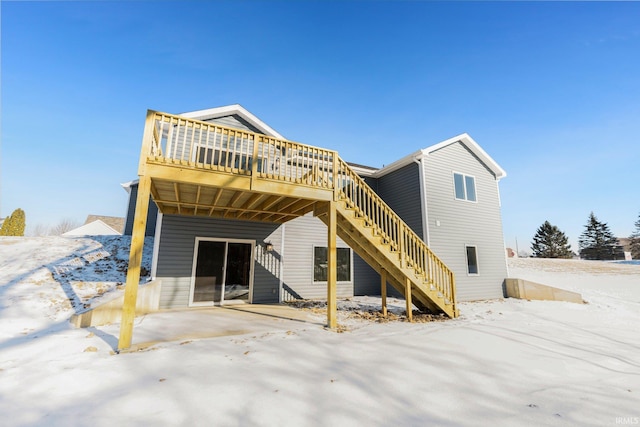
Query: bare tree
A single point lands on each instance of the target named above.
(63, 226)
(40, 230)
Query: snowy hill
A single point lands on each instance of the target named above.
(52, 277)
(503, 362)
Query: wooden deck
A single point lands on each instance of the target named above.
(190, 167)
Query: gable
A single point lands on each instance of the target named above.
(117, 223)
(472, 147)
(462, 159)
(236, 115)
(234, 121)
(464, 139)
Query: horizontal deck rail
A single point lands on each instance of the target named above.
(173, 139)
(208, 146)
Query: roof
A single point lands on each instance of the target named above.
(127, 185)
(228, 110)
(362, 170)
(115, 222)
(464, 139)
(95, 228)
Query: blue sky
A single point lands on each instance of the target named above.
(550, 90)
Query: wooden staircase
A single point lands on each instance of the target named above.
(381, 238)
(192, 167)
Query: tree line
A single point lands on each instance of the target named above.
(596, 242)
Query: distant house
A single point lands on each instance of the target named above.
(625, 243)
(236, 221)
(97, 225)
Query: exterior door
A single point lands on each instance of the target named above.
(222, 272)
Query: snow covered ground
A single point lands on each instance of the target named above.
(503, 362)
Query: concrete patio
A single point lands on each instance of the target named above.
(198, 323)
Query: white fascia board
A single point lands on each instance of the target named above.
(398, 164)
(475, 149)
(127, 185)
(463, 138)
(363, 171)
(228, 110)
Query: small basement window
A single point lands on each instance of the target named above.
(465, 187)
(472, 260)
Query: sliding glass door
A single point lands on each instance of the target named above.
(222, 272)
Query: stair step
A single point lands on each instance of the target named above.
(380, 249)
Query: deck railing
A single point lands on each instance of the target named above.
(201, 145)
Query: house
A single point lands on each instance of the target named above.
(625, 244)
(98, 225)
(240, 214)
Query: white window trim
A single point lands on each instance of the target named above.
(195, 262)
(464, 175)
(467, 258)
(313, 253)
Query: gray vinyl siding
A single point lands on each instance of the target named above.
(365, 279)
(401, 198)
(371, 182)
(301, 236)
(131, 210)
(176, 249)
(400, 189)
(453, 224)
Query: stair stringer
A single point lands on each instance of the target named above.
(370, 247)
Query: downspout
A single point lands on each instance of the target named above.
(423, 200)
(504, 244)
(156, 246)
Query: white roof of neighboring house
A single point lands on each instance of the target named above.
(95, 228)
(464, 139)
(228, 110)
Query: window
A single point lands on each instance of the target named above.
(320, 264)
(472, 260)
(465, 187)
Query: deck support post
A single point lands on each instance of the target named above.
(383, 291)
(407, 297)
(135, 260)
(332, 263)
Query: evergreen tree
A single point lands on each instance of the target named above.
(635, 240)
(597, 241)
(5, 227)
(550, 242)
(14, 225)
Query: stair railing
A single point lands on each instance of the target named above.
(413, 252)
